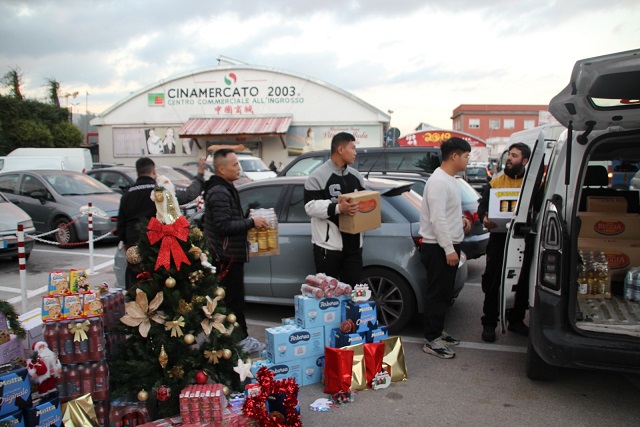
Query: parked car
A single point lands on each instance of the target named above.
(192, 171)
(10, 217)
(572, 322)
(120, 178)
(104, 165)
(475, 243)
(391, 257)
(56, 199)
(423, 160)
(478, 176)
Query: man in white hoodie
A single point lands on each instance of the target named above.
(442, 227)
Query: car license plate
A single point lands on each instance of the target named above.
(3, 244)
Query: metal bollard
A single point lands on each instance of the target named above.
(22, 262)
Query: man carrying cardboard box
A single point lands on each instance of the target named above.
(335, 253)
(512, 177)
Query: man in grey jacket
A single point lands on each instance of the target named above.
(335, 253)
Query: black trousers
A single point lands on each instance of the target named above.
(491, 279)
(345, 266)
(438, 294)
(233, 282)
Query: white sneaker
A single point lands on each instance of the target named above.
(252, 345)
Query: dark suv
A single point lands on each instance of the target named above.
(422, 160)
(478, 176)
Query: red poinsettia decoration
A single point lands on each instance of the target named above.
(256, 406)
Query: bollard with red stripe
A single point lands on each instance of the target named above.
(90, 221)
(22, 262)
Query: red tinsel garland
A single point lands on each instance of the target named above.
(168, 233)
(256, 406)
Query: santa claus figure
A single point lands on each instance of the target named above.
(45, 368)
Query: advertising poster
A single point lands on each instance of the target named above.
(158, 141)
(302, 139)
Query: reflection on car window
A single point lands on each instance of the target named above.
(296, 211)
(75, 184)
(8, 183)
(264, 197)
(305, 166)
(31, 185)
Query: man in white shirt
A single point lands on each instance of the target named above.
(442, 227)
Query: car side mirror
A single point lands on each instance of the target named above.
(40, 195)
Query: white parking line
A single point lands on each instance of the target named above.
(73, 253)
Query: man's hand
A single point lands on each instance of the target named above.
(466, 225)
(453, 259)
(347, 207)
(488, 224)
(260, 223)
(201, 162)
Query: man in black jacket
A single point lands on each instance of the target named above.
(136, 204)
(226, 227)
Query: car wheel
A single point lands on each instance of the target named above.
(538, 369)
(66, 233)
(395, 300)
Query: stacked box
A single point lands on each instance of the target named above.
(15, 390)
(46, 414)
(340, 339)
(363, 314)
(289, 343)
(31, 322)
(313, 312)
(312, 368)
(291, 369)
(14, 419)
(12, 351)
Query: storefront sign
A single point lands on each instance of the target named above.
(433, 138)
(302, 139)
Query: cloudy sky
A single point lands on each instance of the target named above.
(420, 59)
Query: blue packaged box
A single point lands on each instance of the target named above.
(340, 339)
(288, 343)
(16, 390)
(313, 312)
(280, 370)
(377, 334)
(14, 419)
(363, 314)
(46, 414)
(312, 368)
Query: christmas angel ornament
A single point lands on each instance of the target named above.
(164, 195)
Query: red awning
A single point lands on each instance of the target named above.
(234, 126)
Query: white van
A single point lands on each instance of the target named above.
(79, 159)
(18, 163)
(574, 237)
(550, 131)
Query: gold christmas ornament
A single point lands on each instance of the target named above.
(163, 358)
(170, 282)
(225, 390)
(176, 372)
(196, 232)
(189, 339)
(226, 353)
(195, 251)
(159, 196)
(195, 276)
(231, 318)
(220, 292)
(184, 308)
(143, 395)
(133, 256)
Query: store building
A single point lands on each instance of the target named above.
(275, 114)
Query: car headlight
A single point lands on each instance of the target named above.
(84, 210)
(27, 223)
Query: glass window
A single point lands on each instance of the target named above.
(296, 212)
(8, 183)
(509, 124)
(305, 166)
(264, 197)
(113, 180)
(474, 123)
(30, 185)
(494, 123)
(529, 124)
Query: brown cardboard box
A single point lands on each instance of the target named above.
(604, 225)
(368, 215)
(606, 204)
(621, 254)
(503, 203)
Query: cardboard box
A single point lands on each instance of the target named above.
(313, 312)
(340, 339)
(368, 216)
(377, 334)
(312, 370)
(606, 204)
(618, 226)
(621, 254)
(31, 322)
(46, 414)
(364, 314)
(15, 390)
(12, 351)
(292, 369)
(14, 419)
(502, 206)
(289, 343)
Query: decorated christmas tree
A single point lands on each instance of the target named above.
(178, 329)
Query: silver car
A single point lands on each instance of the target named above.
(10, 217)
(58, 199)
(391, 257)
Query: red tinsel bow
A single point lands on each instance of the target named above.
(168, 233)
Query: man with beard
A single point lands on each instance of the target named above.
(511, 177)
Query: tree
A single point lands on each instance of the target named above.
(168, 309)
(54, 87)
(66, 135)
(13, 80)
(28, 133)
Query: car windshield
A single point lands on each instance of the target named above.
(476, 171)
(253, 165)
(76, 184)
(172, 174)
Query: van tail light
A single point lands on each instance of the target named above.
(471, 216)
(550, 266)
